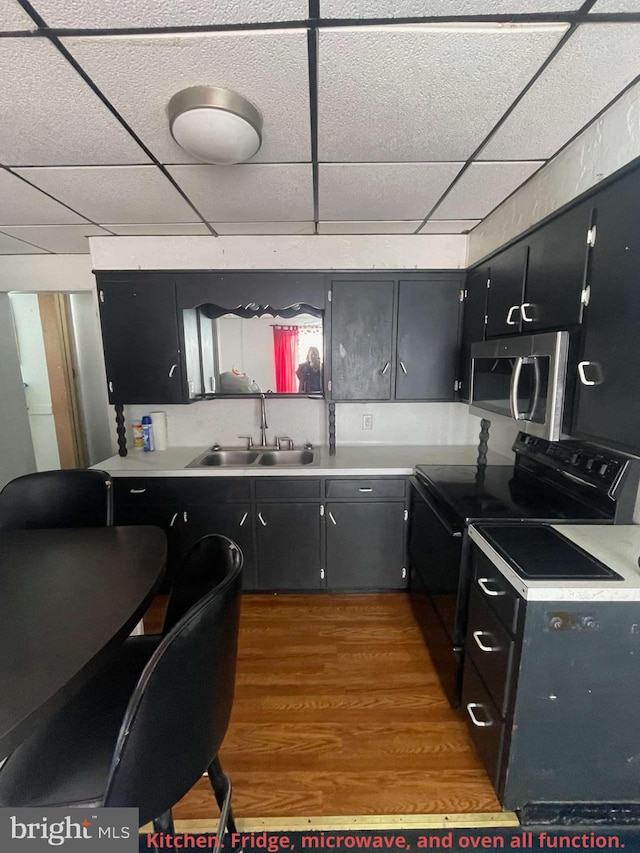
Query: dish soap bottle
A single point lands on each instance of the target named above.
(147, 434)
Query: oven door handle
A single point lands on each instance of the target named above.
(513, 391)
(434, 509)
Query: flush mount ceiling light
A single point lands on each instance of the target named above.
(215, 125)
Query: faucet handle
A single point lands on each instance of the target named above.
(249, 440)
(281, 438)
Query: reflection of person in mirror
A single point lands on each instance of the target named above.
(309, 373)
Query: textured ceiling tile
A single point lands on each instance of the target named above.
(249, 193)
(114, 193)
(264, 227)
(421, 93)
(63, 239)
(481, 188)
(97, 14)
(370, 227)
(427, 8)
(387, 191)
(603, 6)
(13, 17)
(169, 230)
(140, 74)
(10, 246)
(21, 204)
(50, 116)
(597, 62)
(448, 226)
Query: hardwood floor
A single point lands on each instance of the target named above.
(338, 711)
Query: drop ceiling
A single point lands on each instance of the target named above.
(380, 116)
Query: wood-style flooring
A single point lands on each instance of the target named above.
(338, 711)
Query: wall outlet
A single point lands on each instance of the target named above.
(367, 422)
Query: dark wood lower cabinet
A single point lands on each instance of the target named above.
(230, 519)
(288, 539)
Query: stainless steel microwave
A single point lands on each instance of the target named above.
(523, 379)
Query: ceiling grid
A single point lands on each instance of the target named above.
(379, 116)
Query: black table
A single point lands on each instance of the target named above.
(68, 599)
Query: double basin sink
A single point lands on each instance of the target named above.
(230, 457)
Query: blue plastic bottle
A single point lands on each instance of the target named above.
(147, 434)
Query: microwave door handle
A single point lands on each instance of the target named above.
(513, 393)
(536, 388)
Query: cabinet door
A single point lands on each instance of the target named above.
(505, 296)
(140, 341)
(475, 309)
(365, 545)
(288, 539)
(361, 339)
(232, 520)
(427, 349)
(167, 516)
(608, 407)
(558, 254)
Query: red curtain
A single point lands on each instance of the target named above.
(285, 347)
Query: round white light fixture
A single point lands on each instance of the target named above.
(215, 125)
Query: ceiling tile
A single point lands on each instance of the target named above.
(180, 229)
(11, 246)
(62, 239)
(114, 193)
(140, 74)
(482, 187)
(426, 8)
(96, 14)
(603, 6)
(421, 92)
(227, 228)
(448, 226)
(597, 62)
(22, 204)
(386, 191)
(50, 116)
(13, 17)
(249, 192)
(407, 226)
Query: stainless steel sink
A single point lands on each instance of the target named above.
(286, 457)
(235, 457)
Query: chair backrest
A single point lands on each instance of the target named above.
(178, 714)
(207, 562)
(78, 497)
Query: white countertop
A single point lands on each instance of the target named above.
(361, 460)
(617, 546)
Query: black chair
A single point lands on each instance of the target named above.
(77, 497)
(145, 729)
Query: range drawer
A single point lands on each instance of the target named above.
(378, 488)
(496, 591)
(183, 490)
(484, 721)
(279, 487)
(491, 649)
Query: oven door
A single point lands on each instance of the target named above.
(435, 551)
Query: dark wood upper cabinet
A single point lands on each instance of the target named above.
(506, 291)
(475, 309)
(558, 255)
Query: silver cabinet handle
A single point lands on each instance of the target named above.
(385, 368)
(471, 706)
(510, 321)
(523, 312)
(332, 519)
(243, 519)
(185, 517)
(403, 368)
(476, 636)
(582, 375)
(137, 491)
(111, 387)
(173, 370)
(262, 521)
(365, 489)
(173, 520)
(482, 582)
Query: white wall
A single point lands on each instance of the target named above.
(53, 273)
(604, 147)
